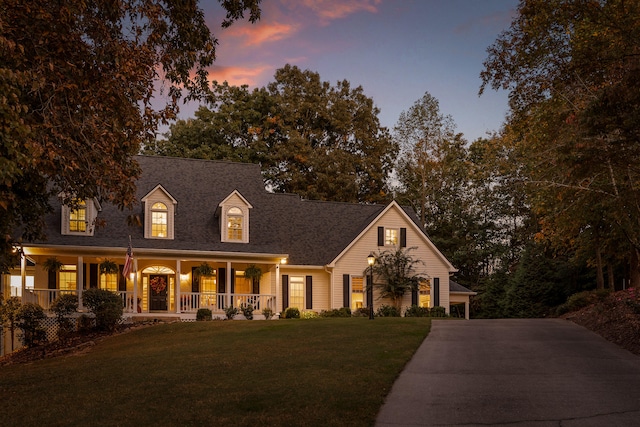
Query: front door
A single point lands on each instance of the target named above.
(158, 291)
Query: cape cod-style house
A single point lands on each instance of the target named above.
(312, 255)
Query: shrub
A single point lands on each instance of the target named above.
(85, 323)
(291, 313)
(267, 313)
(438, 311)
(416, 311)
(361, 312)
(581, 300)
(29, 318)
(336, 312)
(63, 307)
(203, 314)
(231, 312)
(247, 311)
(309, 314)
(105, 305)
(387, 311)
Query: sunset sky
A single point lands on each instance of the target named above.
(395, 49)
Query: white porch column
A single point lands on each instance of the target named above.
(466, 309)
(80, 280)
(275, 291)
(23, 273)
(228, 285)
(135, 285)
(177, 290)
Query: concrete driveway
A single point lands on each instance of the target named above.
(530, 372)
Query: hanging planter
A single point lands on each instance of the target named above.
(204, 270)
(108, 267)
(52, 265)
(253, 272)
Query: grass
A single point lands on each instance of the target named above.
(318, 372)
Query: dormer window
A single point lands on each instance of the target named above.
(159, 220)
(159, 212)
(234, 224)
(234, 218)
(78, 218)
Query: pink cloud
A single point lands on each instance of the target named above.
(258, 34)
(329, 10)
(238, 76)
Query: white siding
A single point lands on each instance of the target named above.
(354, 261)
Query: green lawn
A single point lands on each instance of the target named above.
(318, 372)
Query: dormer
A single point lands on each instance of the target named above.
(234, 218)
(79, 217)
(159, 212)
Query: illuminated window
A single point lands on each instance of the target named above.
(208, 290)
(67, 278)
(424, 294)
(234, 224)
(109, 281)
(390, 236)
(357, 293)
(78, 218)
(159, 220)
(296, 292)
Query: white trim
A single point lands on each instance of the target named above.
(410, 223)
(159, 195)
(235, 193)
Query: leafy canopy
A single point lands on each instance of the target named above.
(77, 81)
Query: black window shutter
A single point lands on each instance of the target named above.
(122, 282)
(380, 236)
(436, 291)
(345, 291)
(51, 279)
(222, 280)
(195, 280)
(309, 289)
(93, 275)
(233, 281)
(85, 276)
(285, 292)
(403, 237)
(414, 297)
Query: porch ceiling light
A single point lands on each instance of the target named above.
(283, 261)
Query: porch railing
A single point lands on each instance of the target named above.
(190, 302)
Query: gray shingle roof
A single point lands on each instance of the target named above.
(457, 287)
(311, 232)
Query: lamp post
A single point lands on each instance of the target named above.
(371, 259)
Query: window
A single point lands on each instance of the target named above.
(234, 224)
(109, 281)
(208, 290)
(296, 292)
(78, 218)
(159, 220)
(391, 237)
(357, 293)
(159, 214)
(67, 278)
(424, 297)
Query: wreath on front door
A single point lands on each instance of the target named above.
(158, 284)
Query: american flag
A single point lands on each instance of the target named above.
(128, 262)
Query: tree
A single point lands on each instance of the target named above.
(320, 141)
(396, 273)
(573, 72)
(78, 82)
(9, 314)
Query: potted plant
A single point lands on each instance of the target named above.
(52, 265)
(204, 270)
(108, 267)
(254, 273)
